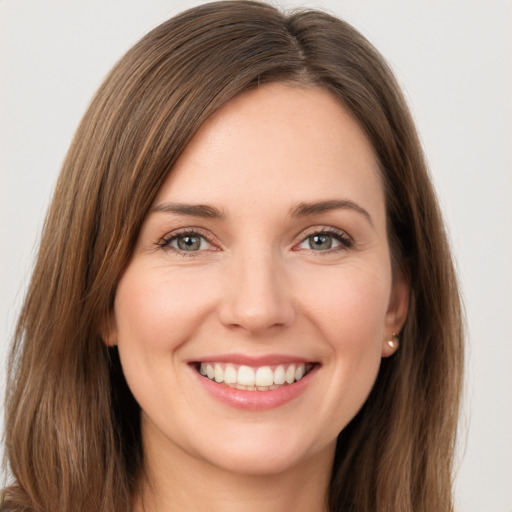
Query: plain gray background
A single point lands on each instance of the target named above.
(454, 61)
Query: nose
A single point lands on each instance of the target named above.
(257, 296)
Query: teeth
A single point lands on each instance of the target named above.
(290, 374)
(299, 371)
(262, 378)
(279, 375)
(230, 374)
(219, 373)
(245, 376)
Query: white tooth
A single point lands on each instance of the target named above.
(300, 371)
(230, 374)
(202, 370)
(264, 376)
(219, 373)
(240, 386)
(245, 376)
(279, 375)
(210, 372)
(290, 374)
(262, 388)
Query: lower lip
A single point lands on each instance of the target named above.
(256, 400)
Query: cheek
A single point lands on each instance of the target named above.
(155, 314)
(350, 316)
(154, 310)
(350, 309)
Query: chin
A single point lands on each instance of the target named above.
(256, 462)
(257, 452)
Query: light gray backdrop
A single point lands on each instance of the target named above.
(453, 58)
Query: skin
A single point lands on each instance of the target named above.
(257, 286)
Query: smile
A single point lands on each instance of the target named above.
(261, 378)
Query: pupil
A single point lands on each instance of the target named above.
(320, 241)
(189, 243)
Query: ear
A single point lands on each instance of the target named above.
(396, 313)
(108, 330)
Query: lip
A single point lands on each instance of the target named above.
(253, 361)
(255, 400)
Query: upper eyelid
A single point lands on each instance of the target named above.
(324, 229)
(164, 240)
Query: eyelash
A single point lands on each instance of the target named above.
(346, 242)
(166, 242)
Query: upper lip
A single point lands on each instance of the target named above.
(254, 361)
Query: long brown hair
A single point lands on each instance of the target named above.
(72, 427)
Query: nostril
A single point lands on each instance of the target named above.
(254, 318)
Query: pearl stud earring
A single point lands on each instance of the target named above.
(394, 342)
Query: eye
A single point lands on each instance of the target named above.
(326, 240)
(186, 242)
(320, 242)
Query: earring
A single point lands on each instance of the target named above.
(394, 342)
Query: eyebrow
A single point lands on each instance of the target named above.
(302, 209)
(313, 208)
(193, 210)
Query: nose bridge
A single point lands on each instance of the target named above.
(256, 296)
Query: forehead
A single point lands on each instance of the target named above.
(275, 145)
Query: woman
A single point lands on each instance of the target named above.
(244, 296)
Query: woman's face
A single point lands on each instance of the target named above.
(264, 264)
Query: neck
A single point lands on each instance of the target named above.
(174, 480)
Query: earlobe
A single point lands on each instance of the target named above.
(391, 345)
(396, 314)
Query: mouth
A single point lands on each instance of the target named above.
(253, 378)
